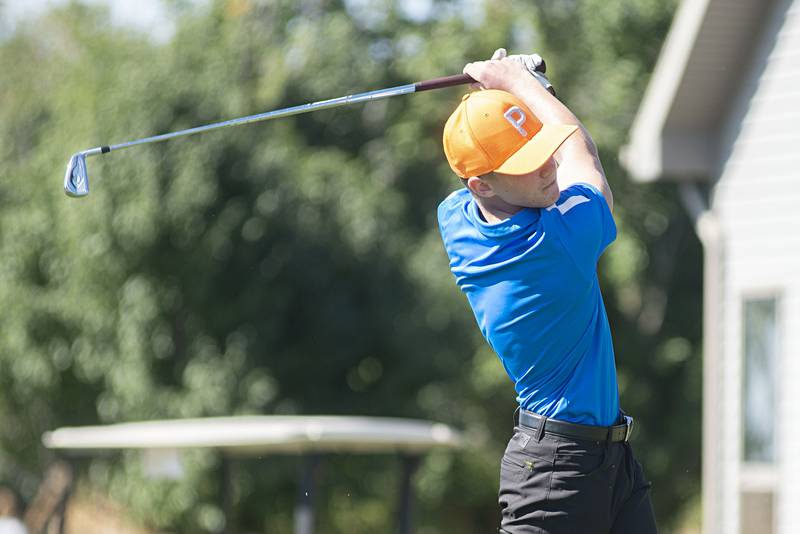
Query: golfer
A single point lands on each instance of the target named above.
(524, 236)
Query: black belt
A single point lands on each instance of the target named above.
(541, 424)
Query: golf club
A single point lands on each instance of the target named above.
(76, 179)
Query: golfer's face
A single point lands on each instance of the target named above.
(537, 189)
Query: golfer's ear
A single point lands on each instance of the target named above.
(479, 186)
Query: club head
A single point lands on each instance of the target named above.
(76, 181)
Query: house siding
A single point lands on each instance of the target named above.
(757, 202)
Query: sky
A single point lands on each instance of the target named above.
(153, 19)
(148, 16)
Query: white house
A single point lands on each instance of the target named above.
(721, 118)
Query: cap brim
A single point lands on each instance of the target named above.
(538, 150)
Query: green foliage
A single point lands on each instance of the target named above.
(294, 266)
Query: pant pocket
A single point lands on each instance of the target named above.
(523, 493)
(525, 471)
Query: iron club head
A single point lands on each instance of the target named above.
(76, 180)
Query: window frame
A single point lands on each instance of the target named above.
(761, 476)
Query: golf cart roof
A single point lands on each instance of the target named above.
(259, 434)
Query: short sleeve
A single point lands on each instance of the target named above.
(584, 222)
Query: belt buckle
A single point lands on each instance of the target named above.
(629, 427)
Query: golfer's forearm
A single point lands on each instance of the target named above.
(577, 158)
(550, 110)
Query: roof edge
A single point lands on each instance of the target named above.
(642, 156)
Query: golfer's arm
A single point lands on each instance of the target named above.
(578, 160)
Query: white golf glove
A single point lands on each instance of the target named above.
(532, 62)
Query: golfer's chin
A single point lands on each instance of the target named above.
(546, 200)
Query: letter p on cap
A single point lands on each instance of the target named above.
(516, 117)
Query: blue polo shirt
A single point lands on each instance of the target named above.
(531, 281)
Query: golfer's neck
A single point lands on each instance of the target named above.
(495, 210)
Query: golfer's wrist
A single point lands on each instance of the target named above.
(527, 87)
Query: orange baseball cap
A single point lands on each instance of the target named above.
(493, 130)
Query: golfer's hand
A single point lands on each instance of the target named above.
(501, 73)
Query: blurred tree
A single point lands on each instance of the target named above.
(295, 266)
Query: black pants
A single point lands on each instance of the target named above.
(562, 485)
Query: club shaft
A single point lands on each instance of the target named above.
(76, 180)
(279, 113)
(426, 85)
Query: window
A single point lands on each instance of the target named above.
(760, 355)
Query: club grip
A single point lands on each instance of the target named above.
(461, 79)
(445, 81)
